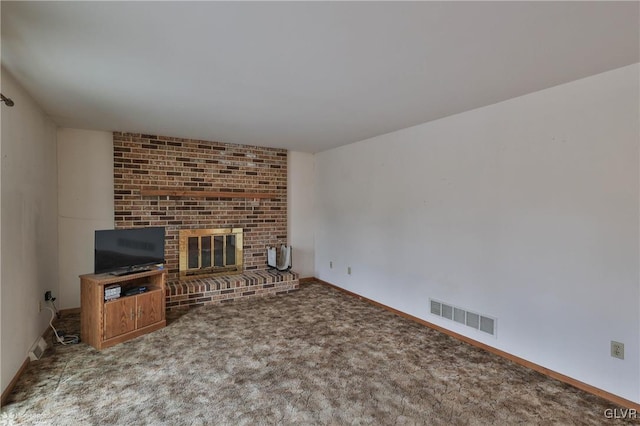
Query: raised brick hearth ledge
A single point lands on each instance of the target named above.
(202, 291)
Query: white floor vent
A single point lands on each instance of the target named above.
(470, 319)
(38, 348)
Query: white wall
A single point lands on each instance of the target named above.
(526, 211)
(85, 188)
(301, 211)
(29, 238)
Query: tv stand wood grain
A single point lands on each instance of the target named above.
(107, 323)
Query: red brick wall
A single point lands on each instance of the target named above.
(143, 161)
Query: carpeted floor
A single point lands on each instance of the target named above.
(315, 356)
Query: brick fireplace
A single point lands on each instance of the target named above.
(203, 185)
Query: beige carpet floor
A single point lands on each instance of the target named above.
(315, 356)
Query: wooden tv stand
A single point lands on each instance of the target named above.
(107, 323)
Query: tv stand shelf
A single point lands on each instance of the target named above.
(107, 323)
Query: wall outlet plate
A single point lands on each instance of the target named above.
(617, 350)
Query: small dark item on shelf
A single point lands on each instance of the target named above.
(135, 290)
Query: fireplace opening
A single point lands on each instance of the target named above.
(210, 252)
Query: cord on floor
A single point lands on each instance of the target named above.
(59, 336)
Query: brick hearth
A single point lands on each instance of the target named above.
(197, 292)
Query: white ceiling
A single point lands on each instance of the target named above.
(305, 76)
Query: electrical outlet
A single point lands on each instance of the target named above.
(47, 296)
(617, 350)
(349, 270)
(330, 264)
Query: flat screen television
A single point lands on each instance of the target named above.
(122, 251)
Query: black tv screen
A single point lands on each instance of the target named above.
(122, 250)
